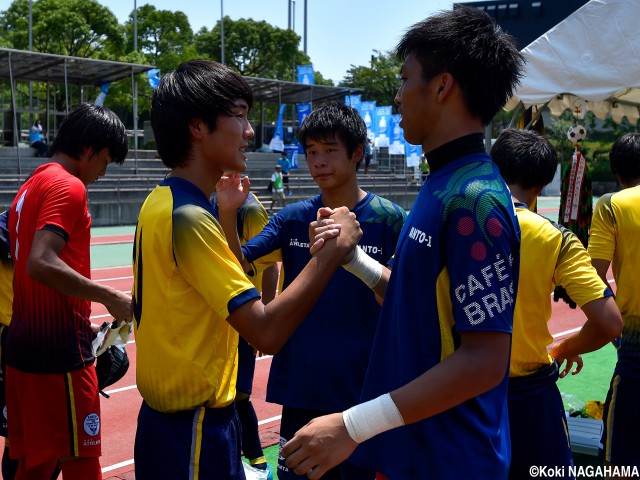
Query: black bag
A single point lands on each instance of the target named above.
(111, 366)
(270, 187)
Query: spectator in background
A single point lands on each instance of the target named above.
(285, 163)
(37, 139)
(277, 188)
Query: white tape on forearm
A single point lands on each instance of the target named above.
(365, 268)
(371, 418)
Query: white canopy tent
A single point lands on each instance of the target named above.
(590, 61)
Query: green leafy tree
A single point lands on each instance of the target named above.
(164, 37)
(380, 81)
(81, 28)
(253, 48)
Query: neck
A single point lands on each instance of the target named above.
(343, 197)
(70, 164)
(519, 194)
(205, 181)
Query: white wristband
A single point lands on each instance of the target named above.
(364, 267)
(371, 418)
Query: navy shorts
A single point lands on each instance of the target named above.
(619, 444)
(293, 419)
(537, 423)
(203, 443)
(246, 367)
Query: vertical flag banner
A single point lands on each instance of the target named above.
(354, 101)
(382, 126)
(368, 114)
(304, 109)
(153, 77)
(396, 147)
(305, 74)
(277, 142)
(413, 154)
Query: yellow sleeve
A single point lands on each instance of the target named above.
(603, 234)
(206, 261)
(574, 271)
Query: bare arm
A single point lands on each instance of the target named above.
(45, 266)
(478, 365)
(602, 267)
(267, 327)
(604, 323)
(270, 283)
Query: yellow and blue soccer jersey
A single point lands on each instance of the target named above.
(615, 230)
(186, 283)
(455, 270)
(6, 272)
(551, 255)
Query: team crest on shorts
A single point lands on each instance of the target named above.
(92, 424)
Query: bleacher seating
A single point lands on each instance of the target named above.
(117, 197)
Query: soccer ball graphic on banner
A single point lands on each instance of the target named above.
(576, 133)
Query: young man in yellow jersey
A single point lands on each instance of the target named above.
(191, 298)
(614, 241)
(551, 255)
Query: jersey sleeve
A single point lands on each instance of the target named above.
(481, 264)
(602, 239)
(264, 249)
(575, 273)
(206, 261)
(64, 203)
(254, 218)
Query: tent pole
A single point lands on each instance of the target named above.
(66, 88)
(134, 91)
(16, 127)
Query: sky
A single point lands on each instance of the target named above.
(341, 33)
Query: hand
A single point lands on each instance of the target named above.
(558, 352)
(319, 446)
(232, 191)
(322, 229)
(119, 306)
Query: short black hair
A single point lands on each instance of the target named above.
(334, 119)
(196, 89)
(466, 43)
(525, 158)
(624, 157)
(92, 127)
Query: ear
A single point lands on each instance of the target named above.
(196, 128)
(445, 85)
(358, 154)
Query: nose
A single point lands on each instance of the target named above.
(398, 98)
(249, 133)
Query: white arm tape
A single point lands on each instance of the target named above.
(371, 418)
(364, 267)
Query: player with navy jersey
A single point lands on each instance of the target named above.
(434, 402)
(551, 255)
(334, 138)
(614, 242)
(191, 298)
(49, 351)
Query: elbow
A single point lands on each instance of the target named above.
(268, 346)
(36, 269)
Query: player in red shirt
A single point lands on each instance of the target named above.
(49, 354)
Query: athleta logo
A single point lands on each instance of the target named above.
(419, 236)
(295, 243)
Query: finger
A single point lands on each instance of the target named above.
(317, 245)
(565, 370)
(579, 365)
(246, 184)
(324, 212)
(290, 448)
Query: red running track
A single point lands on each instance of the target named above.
(119, 412)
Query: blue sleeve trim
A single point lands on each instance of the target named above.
(241, 299)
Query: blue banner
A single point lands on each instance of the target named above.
(153, 77)
(382, 126)
(413, 154)
(305, 74)
(368, 114)
(304, 109)
(354, 101)
(396, 146)
(277, 142)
